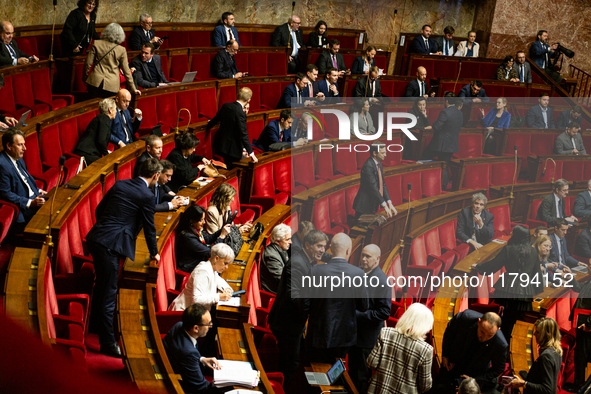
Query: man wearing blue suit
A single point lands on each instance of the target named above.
(541, 53)
(225, 32)
(297, 91)
(423, 44)
(16, 184)
(123, 127)
(582, 205)
(123, 211)
(181, 347)
(540, 116)
(328, 86)
(560, 258)
(278, 130)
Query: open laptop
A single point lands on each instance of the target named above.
(328, 378)
(188, 78)
(21, 121)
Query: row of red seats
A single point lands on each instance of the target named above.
(571, 170)
(482, 172)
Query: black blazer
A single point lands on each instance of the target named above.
(138, 38)
(273, 260)
(324, 62)
(93, 143)
(567, 259)
(281, 37)
(582, 205)
(190, 251)
(535, 119)
(233, 134)
(5, 58)
(447, 130)
(360, 87)
(142, 72)
(413, 89)
(547, 210)
(422, 120)
(314, 42)
(451, 45)
(78, 31)
(368, 198)
(466, 226)
(418, 45)
(223, 65)
(138, 163)
(564, 119)
(370, 322)
(543, 374)
(163, 198)
(121, 214)
(470, 356)
(358, 65)
(184, 172)
(583, 244)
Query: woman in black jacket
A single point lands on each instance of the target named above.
(79, 28)
(183, 157)
(318, 38)
(93, 143)
(362, 64)
(522, 280)
(419, 110)
(192, 245)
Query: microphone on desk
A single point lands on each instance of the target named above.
(544, 170)
(48, 239)
(409, 187)
(515, 173)
(53, 30)
(404, 293)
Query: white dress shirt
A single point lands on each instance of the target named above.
(201, 288)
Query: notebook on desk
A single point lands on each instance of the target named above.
(21, 121)
(188, 78)
(328, 378)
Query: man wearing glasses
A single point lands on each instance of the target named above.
(143, 34)
(522, 67)
(289, 34)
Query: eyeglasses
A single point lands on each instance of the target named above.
(148, 23)
(206, 325)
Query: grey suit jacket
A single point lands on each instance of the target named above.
(272, 262)
(582, 206)
(547, 210)
(365, 124)
(142, 72)
(564, 145)
(526, 71)
(451, 45)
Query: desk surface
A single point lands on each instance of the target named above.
(323, 368)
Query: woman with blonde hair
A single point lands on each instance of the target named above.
(543, 374)
(405, 342)
(219, 209)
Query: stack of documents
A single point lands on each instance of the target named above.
(238, 373)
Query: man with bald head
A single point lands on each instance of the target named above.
(124, 127)
(290, 35)
(370, 322)
(419, 87)
(332, 302)
(10, 55)
(223, 65)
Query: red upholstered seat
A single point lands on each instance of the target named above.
(179, 66)
(277, 64)
(265, 191)
(178, 39)
(227, 95)
(502, 220)
(266, 345)
(200, 62)
(185, 99)
(470, 70)
(574, 170)
(414, 178)
(24, 95)
(42, 89)
(246, 212)
(260, 39)
(430, 183)
(270, 94)
(395, 190)
(207, 103)
(303, 164)
(322, 219)
(37, 168)
(502, 173)
(257, 64)
(345, 160)
(242, 61)
(533, 212)
(551, 171)
(167, 110)
(477, 176)
(470, 146)
(350, 194)
(8, 213)
(200, 38)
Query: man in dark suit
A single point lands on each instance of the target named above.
(332, 58)
(166, 200)
(522, 67)
(570, 141)
(278, 130)
(552, 206)
(143, 34)
(559, 252)
(423, 44)
(371, 88)
(287, 318)
(572, 115)
(373, 191)
(541, 53)
(17, 186)
(298, 91)
(297, 241)
(124, 210)
(153, 150)
(420, 86)
(583, 243)
(540, 116)
(274, 258)
(332, 325)
(231, 140)
(445, 43)
(582, 205)
(223, 65)
(370, 322)
(472, 93)
(475, 223)
(148, 68)
(473, 346)
(180, 344)
(124, 127)
(290, 35)
(10, 55)
(328, 87)
(7, 121)
(312, 74)
(225, 32)
(445, 141)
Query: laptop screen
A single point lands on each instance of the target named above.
(335, 371)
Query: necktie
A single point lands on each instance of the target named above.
(445, 47)
(424, 85)
(560, 202)
(201, 237)
(334, 62)
(310, 89)
(521, 73)
(380, 180)
(148, 34)
(427, 45)
(125, 126)
(295, 44)
(12, 52)
(371, 89)
(299, 96)
(23, 173)
(562, 251)
(281, 134)
(230, 34)
(157, 190)
(573, 141)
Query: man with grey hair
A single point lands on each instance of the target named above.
(475, 223)
(469, 386)
(290, 35)
(144, 34)
(333, 306)
(582, 206)
(10, 54)
(274, 258)
(370, 322)
(552, 206)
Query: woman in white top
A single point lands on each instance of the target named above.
(205, 281)
(468, 48)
